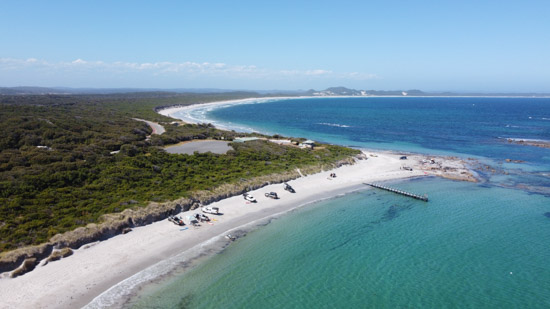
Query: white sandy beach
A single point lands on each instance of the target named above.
(76, 280)
(185, 112)
(92, 270)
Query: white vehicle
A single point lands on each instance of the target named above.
(202, 217)
(211, 210)
(249, 198)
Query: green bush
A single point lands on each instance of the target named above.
(74, 178)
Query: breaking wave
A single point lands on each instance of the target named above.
(516, 139)
(334, 125)
(199, 113)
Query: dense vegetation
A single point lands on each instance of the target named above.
(57, 171)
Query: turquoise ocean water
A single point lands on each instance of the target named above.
(474, 245)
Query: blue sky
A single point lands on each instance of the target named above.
(430, 45)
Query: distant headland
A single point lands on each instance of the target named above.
(331, 91)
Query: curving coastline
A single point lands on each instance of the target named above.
(77, 280)
(95, 268)
(187, 112)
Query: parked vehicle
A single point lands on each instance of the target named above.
(211, 210)
(249, 198)
(194, 222)
(272, 195)
(176, 220)
(289, 188)
(201, 217)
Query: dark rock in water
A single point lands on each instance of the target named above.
(514, 161)
(547, 214)
(394, 211)
(391, 213)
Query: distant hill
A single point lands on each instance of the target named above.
(343, 91)
(67, 90)
(335, 91)
(30, 90)
(413, 92)
(331, 91)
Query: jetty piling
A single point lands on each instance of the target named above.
(415, 196)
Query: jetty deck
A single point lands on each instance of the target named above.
(415, 196)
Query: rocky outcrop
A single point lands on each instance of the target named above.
(535, 143)
(114, 224)
(514, 161)
(28, 265)
(13, 259)
(58, 254)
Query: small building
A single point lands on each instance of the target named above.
(307, 144)
(245, 139)
(281, 141)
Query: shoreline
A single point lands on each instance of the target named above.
(122, 293)
(169, 110)
(101, 271)
(99, 267)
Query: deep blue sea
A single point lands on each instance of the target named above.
(474, 245)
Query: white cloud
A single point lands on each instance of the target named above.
(318, 72)
(79, 61)
(147, 71)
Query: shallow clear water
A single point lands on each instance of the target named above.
(480, 245)
(468, 247)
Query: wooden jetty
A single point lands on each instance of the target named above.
(416, 196)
